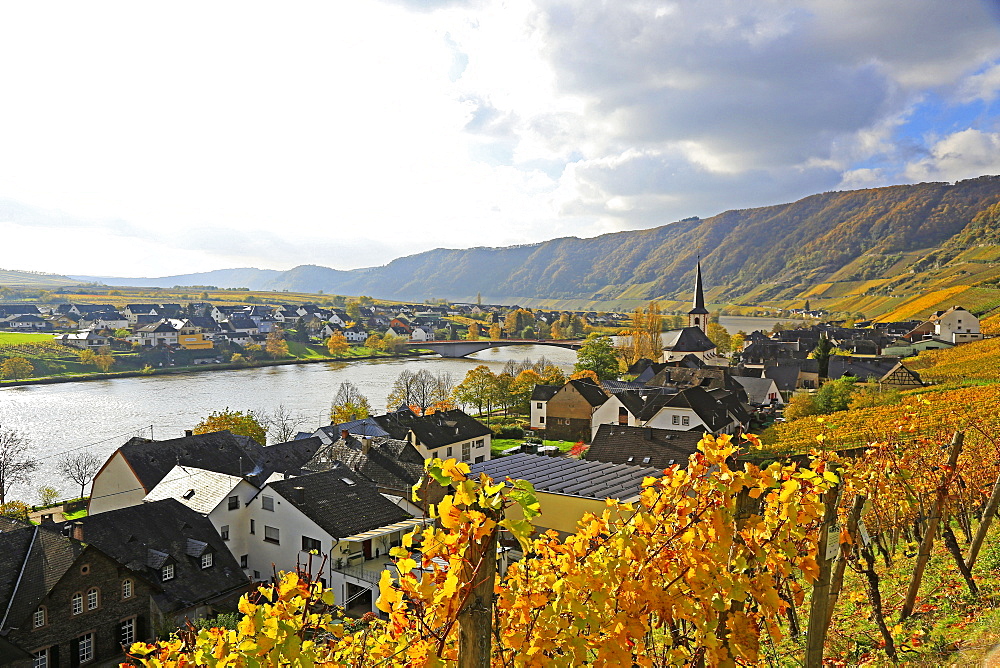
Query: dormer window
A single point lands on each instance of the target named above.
(206, 560)
(167, 572)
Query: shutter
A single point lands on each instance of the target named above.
(140, 628)
(74, 652)
(54, 656)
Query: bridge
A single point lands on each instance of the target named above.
(463, 348)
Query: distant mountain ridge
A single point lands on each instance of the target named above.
(765, 253)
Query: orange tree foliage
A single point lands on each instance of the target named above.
(976, 360)
(696, 572)
(337, 343)
(238, 422)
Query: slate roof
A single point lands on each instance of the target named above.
(432, 431)
(708, 378)
(362, 427)
(687, 340)
(592, 394)
(339, 507)
(620, 444)
(389, 462)
(756, 388)
(220, 451)
(134, 534)
(198, 489)
(785, 377)
(860, 367)
(708, 408)
(573, 477)
(544, 392)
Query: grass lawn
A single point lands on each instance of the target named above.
(501, 444)
(77, 515)
(8, 338)
(316, 351)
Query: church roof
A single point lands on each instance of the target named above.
(698, 305)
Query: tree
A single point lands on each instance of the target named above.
(238, 422)
(104, 362)
(586, 373)
(79, 467)
(523, 386)
(47, 495)
(738, 340)
(349, 404)
(821, 353)
(337, 343)
(799, 406)
(643, 339)
(16, 368)
(281, 424)
(301, 331)
(276, 345)
(122, 333)
(477, 388)
(419, 390)
(392, 344)
(86, 356)
(720, 336)
(374, 342)
(16, 465)
(597, 354)
(473, 333)
(835, 395)
(495, 331)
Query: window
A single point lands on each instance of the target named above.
(38, 619)
(466, 451)
(449, 451)
(253, 526)
(234, 503)
(244, 559)
(40, 659)
(622, 415)
(206, 560)
(224, 532)
(127, 634)
(685, 421)
(126, 589)
(93, 599)
(480, 458)
(481, 442)
(267, 503)
(167, 572)
(541, 419)
(675, 419)
(85, 647)
(310, 544)
(271, 535)
(77, 603)
(538, 405)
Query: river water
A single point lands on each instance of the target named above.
(101, 415)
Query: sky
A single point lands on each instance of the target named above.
(143, 139)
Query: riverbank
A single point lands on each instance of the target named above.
(224, 366)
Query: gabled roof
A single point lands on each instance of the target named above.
(388, 463)
(447, 427)
(339, 503)
(593, 394)
(574, 477)
(785, 377)
(708, 408)
(642, 446)
(138, 536)
(544, 392)
(757, 389)
(198, 489)
(687, 340)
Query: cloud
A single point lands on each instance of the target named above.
(962, 155)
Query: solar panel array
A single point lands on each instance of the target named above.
(577, 477)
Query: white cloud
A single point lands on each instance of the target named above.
(962, 155)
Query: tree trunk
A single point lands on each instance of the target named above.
(956, 552)
(875, 598)
(932, 524)
(815, 635)
(475, 620)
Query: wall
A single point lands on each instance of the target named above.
(115, 487)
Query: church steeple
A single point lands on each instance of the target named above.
(698, 315)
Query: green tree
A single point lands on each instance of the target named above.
(719, 335)
(478, 389)
(301, 331)
(597, 354)
(835, 395)
(16, 368)
(238, 422)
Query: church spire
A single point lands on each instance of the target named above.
(697, 314)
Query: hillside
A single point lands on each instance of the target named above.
(34, 279)
(871, 251)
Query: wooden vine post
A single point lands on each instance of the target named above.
(816, 635)
(475, 620)
(932, 524)
(837, 583)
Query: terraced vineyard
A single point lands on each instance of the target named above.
(979, 360)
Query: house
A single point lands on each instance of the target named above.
(355, 334)
(346, 523)
(177, 548)
(540, 396)
(642, 446)
(103, 320)
(760, 391)
(84, 339)
(956, 325)
(160, 333)
(693, 409)
(134, 469)
(132, 311)
(445, 434)
(621, 408)
(904, 348)
(679, 343)
(884, 370)
(393, 466)
(66, 601)
(422, 334)
(26, 322)
(567, 489)
(569, 412)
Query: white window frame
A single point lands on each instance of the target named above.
(168, 572)
(127, 588)
(85, 647)
(466, 451)
(128, 632)
(207, 560)
(40, 659)
(38, 619)
(272, 535)
(77, 603)
(93, 598)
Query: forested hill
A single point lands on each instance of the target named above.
(747, 254)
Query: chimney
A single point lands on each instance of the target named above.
(648, 433)
(299, 494)
(366, 444)
(188, 432)
(344, 435)
(78, 531)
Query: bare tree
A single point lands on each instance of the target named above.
(349, 404)
(16, 465)
(80, 467)
(422, 389)
(281, 424)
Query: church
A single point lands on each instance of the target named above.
(693, 339)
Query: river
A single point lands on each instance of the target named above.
(101, 415)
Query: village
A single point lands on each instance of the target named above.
(179, 529)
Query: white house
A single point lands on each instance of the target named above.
(956, 325)
(539, 401)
